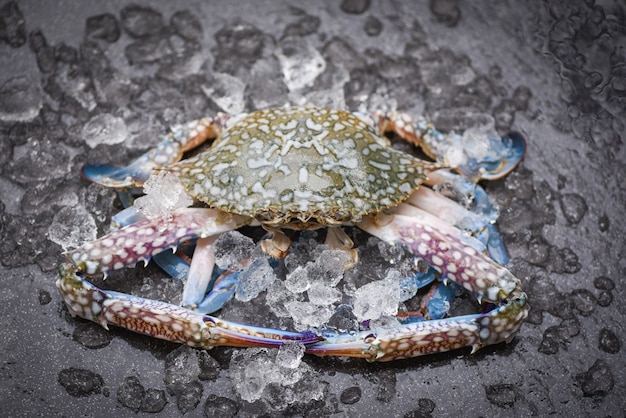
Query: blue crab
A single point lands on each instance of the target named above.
(302, 168)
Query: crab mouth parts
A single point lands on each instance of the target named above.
(307, 220)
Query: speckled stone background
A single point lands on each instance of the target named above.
(554, 70)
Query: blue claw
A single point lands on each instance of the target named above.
(438, 305)
(490, 236)
(172, 264)
(483, 206)
(506, 153)
(132, 175)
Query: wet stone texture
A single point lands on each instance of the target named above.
(101, 82)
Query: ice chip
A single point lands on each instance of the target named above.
(256, 278)
(277, 377)
(231, 249)
(298, 281)
(306, 314)
(104, 129)
(375, 299)
(321, 294)
(20, 99)
(327, 268)
(71, 227)
(227, 92)
(301, 63)
(278, 296)
(248, 372)
(290, 355)
(479, 139)
(164, 194)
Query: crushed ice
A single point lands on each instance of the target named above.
(375, 299)
(231, 249)
(164, 194)
(278, 377)
(227, 92)
(255, 279)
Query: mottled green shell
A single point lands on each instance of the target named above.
(300, 167)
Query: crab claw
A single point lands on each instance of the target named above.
(163, 320)
(428, 337)
(504, 155)
(133, 175)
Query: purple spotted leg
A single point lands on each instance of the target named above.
(138, 242)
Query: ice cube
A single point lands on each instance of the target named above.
(253, 280)
(308, 315)
(278, 296)
(327, 268)
(290, 355)
(248, 372)
(322, 294)
(298, 281)
(301, 63)
(104, 129)
(71, 227)
(231, 249)
(277, 377)
(164, 194)
(227, 92)
(375, 299)
(20, 99)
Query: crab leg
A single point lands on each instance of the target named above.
(455, 258)
(182, 138)
(200, 272)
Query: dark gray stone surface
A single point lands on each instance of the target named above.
(555, 71)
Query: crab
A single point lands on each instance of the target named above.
(304, 168)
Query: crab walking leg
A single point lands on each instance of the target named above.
(163, 320)
(455, 214)
(444, 208)
(182, 138)
(200, 272)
